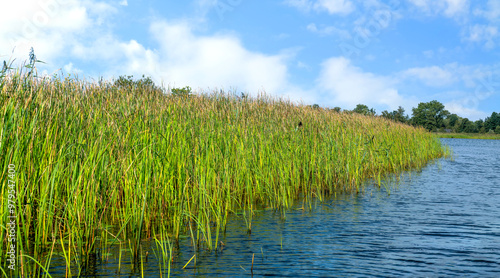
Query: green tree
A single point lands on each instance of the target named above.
(396, 115)
(490, 123)
(466, 126)
(129, 83)
(480, 126)
(364, 110)
(451, 121)
(430, 115)
(184, 92)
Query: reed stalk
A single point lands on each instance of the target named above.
(142, 160)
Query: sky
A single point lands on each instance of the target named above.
(335, 53)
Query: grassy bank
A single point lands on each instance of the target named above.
(99, 164)
(487, 136)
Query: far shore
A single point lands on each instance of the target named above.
(488, 136)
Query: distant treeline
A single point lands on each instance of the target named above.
(432, 116)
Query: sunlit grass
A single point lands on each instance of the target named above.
(98, 160)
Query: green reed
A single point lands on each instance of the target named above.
(133, 162)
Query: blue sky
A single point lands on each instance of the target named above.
(383, 54)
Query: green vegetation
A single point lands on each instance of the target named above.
(364, 110)
(396, 115)
(430, 115)
(433, 117)
(488, 136)
(123, 161)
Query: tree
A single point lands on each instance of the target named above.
(396, 115)
(386, 114)
(492, 122)
(364, 110)
(182, 92)
(479, 126)
(430, 115)
(452, 120)
(466, 126)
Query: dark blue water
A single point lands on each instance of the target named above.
(443, 221)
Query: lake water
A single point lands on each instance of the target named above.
(443, 221)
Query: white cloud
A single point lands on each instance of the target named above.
(449, 8)
(328, 30)
(335, 6)
(202, 62)
(330, 6)
(466, 108)
(80, 31)
(349, 85)
(303, 5)
(432, 76)
(455, 7)
(124, 3)
(71, 69)
(486, 34)
(491, 12)
(213, 61)
(50, 27)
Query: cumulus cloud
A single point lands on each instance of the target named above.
(204, 62)
(218, 60)
(50, 27)
(348, 85)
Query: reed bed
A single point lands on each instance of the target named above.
(99, 164)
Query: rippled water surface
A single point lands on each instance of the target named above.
(442, 222)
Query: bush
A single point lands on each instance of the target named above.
(184, 92)
(128, 82)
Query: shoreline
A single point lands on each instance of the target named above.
(468, 136)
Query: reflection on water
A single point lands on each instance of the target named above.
(444, 222)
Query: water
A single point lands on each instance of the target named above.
(443, 222)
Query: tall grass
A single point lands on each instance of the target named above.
(97, 159)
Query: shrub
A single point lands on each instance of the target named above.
(184, 92)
